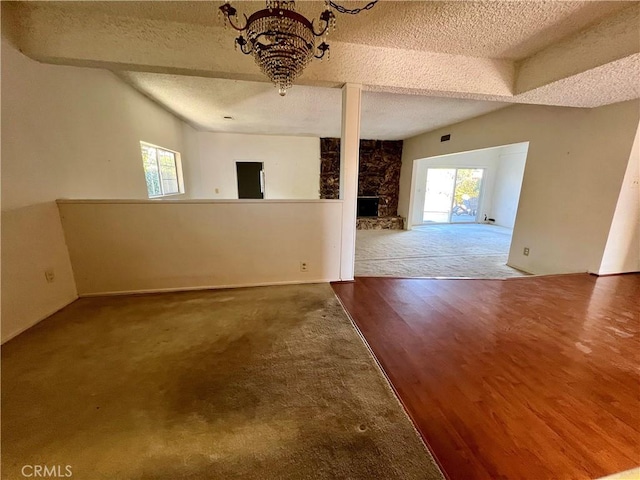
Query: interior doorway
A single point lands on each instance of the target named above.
(463, 208)
(250, 179)
(452, 195)
(490, 177)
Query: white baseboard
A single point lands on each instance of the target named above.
(611, 274)
(513, 265)
(37, 321)
(202, 287)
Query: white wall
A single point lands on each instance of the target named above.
(622, 252)
(575, 167)
(508, 183)
(75, 132)
(32, 242)
(66, 132)
(291, 164)
(148, 246)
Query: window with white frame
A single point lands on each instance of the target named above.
(162, 171)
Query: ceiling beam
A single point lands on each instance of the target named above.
(553, 76)
(615, 38)
(121, 43)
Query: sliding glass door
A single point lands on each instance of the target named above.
(438, 198)
(452, 195)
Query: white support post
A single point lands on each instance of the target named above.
(349, 158)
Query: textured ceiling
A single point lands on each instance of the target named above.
(255, 108)
(454, 58)
(389, 116)
(495, 29)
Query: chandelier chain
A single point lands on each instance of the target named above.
(352, 11)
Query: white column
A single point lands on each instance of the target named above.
(349, 156)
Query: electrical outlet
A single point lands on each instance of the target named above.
(50, 275)
(304, 267)
(526, 251)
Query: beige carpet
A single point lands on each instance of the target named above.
(473, 251)
(263, 383)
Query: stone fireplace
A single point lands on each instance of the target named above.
(378, 178)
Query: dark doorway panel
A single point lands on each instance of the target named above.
(250, 179)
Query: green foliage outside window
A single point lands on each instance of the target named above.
(467, 183)
(160, 171)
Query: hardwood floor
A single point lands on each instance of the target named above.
(525, 378)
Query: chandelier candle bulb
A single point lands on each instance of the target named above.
(282, 41)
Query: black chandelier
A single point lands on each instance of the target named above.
(281, 40)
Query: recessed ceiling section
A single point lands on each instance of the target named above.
(389, 116)
(256, 108)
